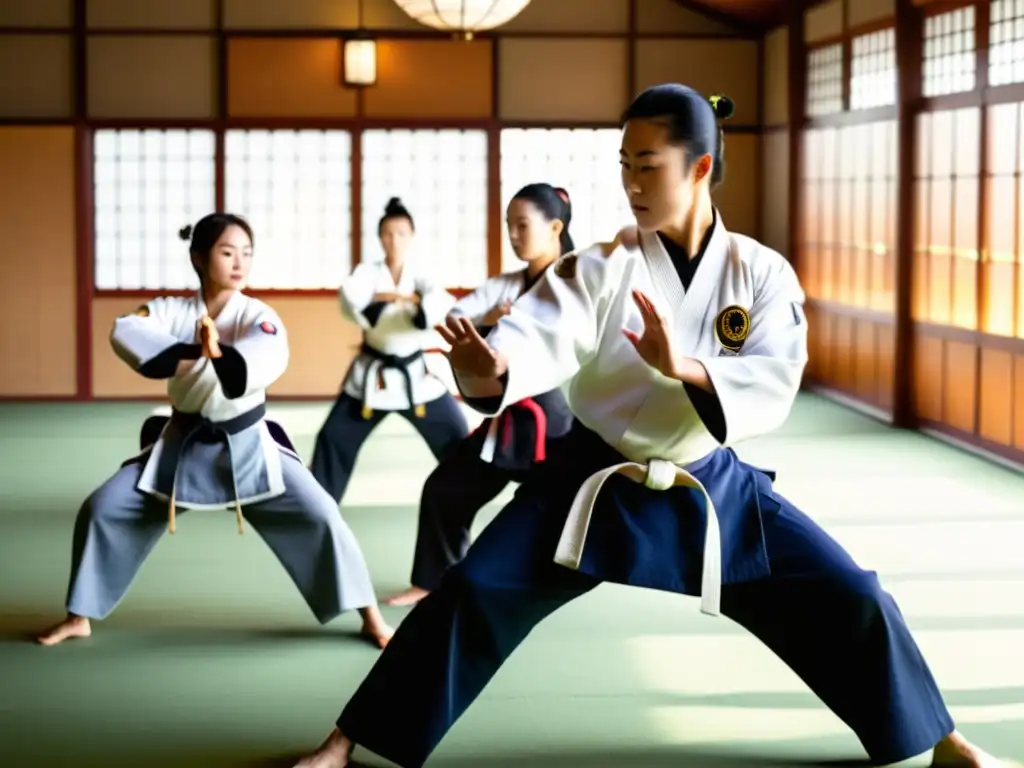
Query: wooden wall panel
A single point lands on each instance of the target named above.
(668, 16)
(37, 293)
(996, 396)
(775, 77)
(886, 361)
(45, 14)
(170, 77)
(823, 21)
(844, 354)
(929, 377)
(961, 385)
(710, 66)
(737, 197)
(592, 78)
(410, 74)
(35, 76)
(570, 16)
(866, 362)
(774, 186)
(300, 14)
(1018, 402)
(864, 12)
(815, 344)
(293, 78)
(151, 14)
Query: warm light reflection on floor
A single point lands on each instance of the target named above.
(708, 665)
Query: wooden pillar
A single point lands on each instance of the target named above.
(909, 49)
(797, 75)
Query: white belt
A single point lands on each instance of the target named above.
(659, 475)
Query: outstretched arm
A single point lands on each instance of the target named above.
(144, 341)
(550, 332)
(476, 305)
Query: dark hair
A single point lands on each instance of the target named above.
(395, 210)
(692, 121)
(205, 234)
(554, 203)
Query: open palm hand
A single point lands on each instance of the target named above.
(470, 355)
(654, 345)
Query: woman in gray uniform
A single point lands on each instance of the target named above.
(219, 352)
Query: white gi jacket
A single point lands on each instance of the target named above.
(742, 319)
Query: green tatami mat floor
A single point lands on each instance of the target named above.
(213, 659)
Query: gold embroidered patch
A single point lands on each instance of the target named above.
(732, 326)
(565, 268)
(142, 311)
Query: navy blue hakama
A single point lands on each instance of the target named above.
(784, 579)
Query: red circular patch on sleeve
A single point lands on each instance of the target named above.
(268, 327)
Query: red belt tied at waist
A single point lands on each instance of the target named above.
(504, 424)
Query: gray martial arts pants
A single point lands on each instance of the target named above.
(118, 526)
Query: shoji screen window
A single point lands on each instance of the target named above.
(825, 80)
(864, 253)
(873, 70)
(441, 178)
(949, 52)
(584, 161)
(1006, 42)
(1003, 313)
(820, 271)
(148, 185)
(295, 188)
(945, 279)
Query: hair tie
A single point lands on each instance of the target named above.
(722, 106)
(562, 194)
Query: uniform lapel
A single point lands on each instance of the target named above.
(687, 311)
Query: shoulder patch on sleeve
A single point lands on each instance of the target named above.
(565, 267)
(268, 327)
(141, 311)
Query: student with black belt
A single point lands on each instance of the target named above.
(396, 305)
(503, 449)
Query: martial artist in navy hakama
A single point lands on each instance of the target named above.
(668, 361)
(505, 448)
(216, 451)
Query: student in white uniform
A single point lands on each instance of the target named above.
(502, 449)
(219, 351)
(396, 303)
(672, 353)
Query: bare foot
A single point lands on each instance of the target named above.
(333, 753)
(955, 751)
(71, 627)
(374, 626)
(411, 596)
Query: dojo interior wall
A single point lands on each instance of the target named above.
(912, 260)
(70, 66)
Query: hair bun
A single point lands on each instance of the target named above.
(185, 233)
(394, 206)
(722, 105)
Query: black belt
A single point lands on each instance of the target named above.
(398, 363)
(197, 427)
